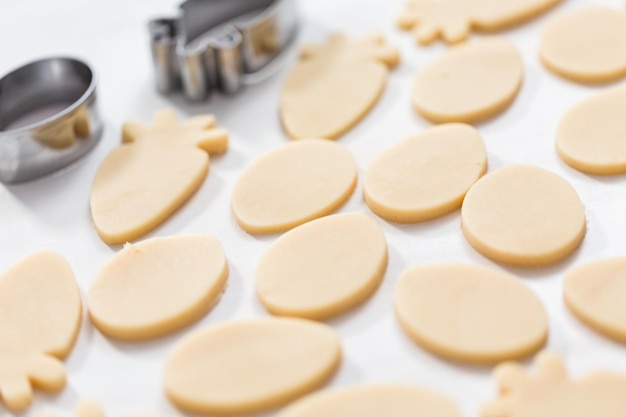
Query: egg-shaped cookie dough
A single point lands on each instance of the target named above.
(158, 286)
(523, 215)
(470, 313)
(292, 185)
(373, 401)
(250, 366)
(323, 268)
(334, 85)
(591, 137)
(425, 176)
(595, 293)
(586, 45)
(470, 82)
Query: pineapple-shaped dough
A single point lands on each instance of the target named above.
(452, 20)
(40, 316)
(152, 174)
(334, 85)
(551, 393)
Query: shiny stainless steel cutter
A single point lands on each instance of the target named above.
(219, 44)
(49, 117)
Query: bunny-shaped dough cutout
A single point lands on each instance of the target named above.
(152, 174)
(453, 20)
(40, 316)
(551, 393)
(334, 85)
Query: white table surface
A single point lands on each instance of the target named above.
(53, 212)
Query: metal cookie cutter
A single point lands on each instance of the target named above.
(48, 117)
(219, 44)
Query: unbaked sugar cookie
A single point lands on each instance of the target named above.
(334, 85)
(154, 287)
(323, 268)
(293, 184)
(469, 82)
(452, 20)
(551, 393)
(591, 137)
(469, 313)
(523, 215)
(586, 45)
(152, 174)
(40, 317)
(250, 366)
(425, 176)
(392, 400)
(595, 293)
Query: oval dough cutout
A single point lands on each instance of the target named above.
(595, 293)
(40, 317)
(250, 366)
(523, 215)
(158, 286)
(470, 82)
(293, 184)
(334, 85)
(425, 176)
(469, 313)
(586, 45)
(323, 268)
(591, 137)
(373, 401)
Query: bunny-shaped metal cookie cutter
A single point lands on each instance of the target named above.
(219, 44)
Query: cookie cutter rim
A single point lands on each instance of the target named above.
(29, 152)
(188, 56)
(91, 88)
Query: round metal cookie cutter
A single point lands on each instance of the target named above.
(48, 117)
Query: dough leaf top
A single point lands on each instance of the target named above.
(551, 393)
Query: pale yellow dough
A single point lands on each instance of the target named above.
(425, 176)
(293, 184)
(40, 317)
(393, 400)
(157, 169)
(158, 286)
(595, 293)
(523, 215)
(586, 45)
(470, 82)
(452, 20)
(323, 268)
(591, 137)
(550, 393)
(249, 366)
(334, 85)
(87, 408)
(470, 313)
